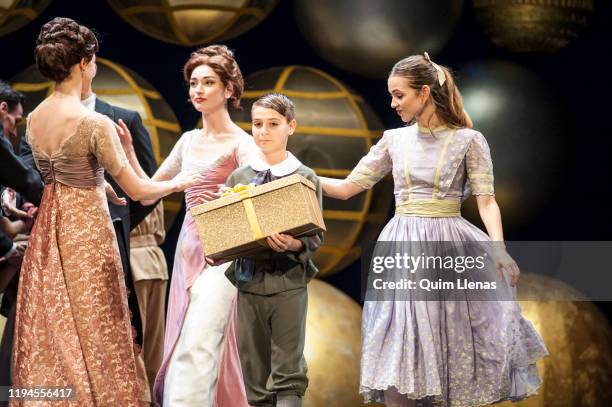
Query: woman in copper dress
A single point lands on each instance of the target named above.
(72, 326)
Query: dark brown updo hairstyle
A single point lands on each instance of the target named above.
(280, 103)
(420, 71)
(221, 60)
(61, 44)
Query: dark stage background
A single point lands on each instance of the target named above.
(578, 77)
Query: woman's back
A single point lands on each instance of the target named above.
(56, 119)
(72, 300)
(73, 149)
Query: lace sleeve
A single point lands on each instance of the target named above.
(245, 148)
(173, 163)
(479, 166)
(374, 166)
(105, 145)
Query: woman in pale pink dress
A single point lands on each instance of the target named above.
(201, 365)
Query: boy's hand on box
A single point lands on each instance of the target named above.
(280, 242)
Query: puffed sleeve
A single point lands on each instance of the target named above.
(246, 147)
(105, 145)
(479, 166)
(173, 163)
(374, 166)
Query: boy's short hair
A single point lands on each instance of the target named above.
(278, 102)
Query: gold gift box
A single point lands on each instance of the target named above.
(237, 225)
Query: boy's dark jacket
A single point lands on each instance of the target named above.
(277, 272)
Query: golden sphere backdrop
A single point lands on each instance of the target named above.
(121, 87)
(368, 36)
(533, 25)
(193, 22)
(578, 370)
(333, 347)
(522, 122)
(336, 127)
(15, 14)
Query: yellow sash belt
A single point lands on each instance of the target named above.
(430, 208)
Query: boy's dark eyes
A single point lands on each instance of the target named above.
(259, 124)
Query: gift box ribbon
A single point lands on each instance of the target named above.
(249, 209)
(244, 192)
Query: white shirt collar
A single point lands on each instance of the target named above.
(90, 102)
(287, 166)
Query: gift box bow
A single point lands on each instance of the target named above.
(245, 197)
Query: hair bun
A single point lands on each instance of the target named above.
(62, 43)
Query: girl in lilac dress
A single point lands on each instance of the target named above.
(201, 366)
(447, 352)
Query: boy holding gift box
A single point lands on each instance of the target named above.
(272, 294)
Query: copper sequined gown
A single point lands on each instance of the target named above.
(72, 326)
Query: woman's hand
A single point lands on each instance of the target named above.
(112, 196)
(9, 207)
(281, 243)
(32, 211)
(207, 196)
(503, 261)
(124, 136)
(186, 179)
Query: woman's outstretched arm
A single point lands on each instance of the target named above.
(339, 188)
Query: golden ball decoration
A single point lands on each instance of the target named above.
(578, 370)
(333, 347)
(15, 14)
(367, 37)
(119, 86)
(501, 98)
(533, 25)
(336, 127)
(193, 22)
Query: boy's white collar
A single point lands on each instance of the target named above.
(287, 166)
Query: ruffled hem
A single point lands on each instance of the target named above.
(525, 383)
